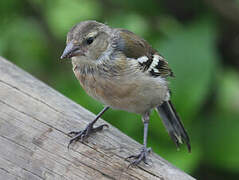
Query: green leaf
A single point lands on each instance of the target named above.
(190, 52)
(228, 96)
(221, 140)
(64, 14)
(221, 128)
(132, 21)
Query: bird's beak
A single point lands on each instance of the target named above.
(71, 50)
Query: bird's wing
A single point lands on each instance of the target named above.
(134, 47)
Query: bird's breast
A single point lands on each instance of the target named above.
(132, 94)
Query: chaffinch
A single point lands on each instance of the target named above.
(122, 71)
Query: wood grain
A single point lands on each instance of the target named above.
(34, 122)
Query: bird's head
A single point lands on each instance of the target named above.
(87, 40)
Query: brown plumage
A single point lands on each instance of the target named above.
(122, 71)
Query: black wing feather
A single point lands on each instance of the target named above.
(135, 47)
(173, 124)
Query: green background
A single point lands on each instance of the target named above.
(200, 40)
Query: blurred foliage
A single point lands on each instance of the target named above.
(200, 40)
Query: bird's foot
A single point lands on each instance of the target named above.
(84, 134)
(142, 156)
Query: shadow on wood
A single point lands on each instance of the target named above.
(34, 121)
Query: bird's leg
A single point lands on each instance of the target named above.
(142, 156)
(82, 135)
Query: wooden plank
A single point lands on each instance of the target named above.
(34, 122)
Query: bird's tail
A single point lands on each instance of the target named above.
(173, 124)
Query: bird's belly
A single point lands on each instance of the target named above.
(138, 96)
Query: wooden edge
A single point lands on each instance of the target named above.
(34, 121)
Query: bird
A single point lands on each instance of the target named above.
(122, 70)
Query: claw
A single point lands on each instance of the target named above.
(82, 135)
(99, 128)
(72, 133)
(142, 156)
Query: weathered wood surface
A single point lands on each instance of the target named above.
(34, 121)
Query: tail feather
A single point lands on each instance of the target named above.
(173, 124)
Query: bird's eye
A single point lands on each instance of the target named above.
(89, 40)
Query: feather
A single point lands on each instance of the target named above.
(173, 124)
(136, 48)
